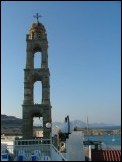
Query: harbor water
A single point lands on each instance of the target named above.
(109, 140)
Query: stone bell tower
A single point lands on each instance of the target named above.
(36, 42)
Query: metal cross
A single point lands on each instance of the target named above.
(37, 17)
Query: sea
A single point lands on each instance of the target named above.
(109, 139)
(112, 140)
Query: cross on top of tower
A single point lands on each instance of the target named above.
(37, 17)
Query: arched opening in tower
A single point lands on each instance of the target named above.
(37, 92)
(37, 127)
(37, 60)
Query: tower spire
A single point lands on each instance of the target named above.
(37, 17)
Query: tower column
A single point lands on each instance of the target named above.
(44, 59)
(29, 59)
(28, 93)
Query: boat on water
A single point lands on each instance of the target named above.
(113, 139)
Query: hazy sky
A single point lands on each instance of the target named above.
(84, 58)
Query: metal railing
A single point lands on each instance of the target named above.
(43, 149)
(56, 155)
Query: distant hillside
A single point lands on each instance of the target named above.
(81, 124)
(10, 121)
(10, 125)
(5, 117)
(14, 121)
(13, 125)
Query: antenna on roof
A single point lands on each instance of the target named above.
(87, 128)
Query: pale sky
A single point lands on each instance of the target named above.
(84, 58)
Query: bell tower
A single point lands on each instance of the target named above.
(36, 42)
